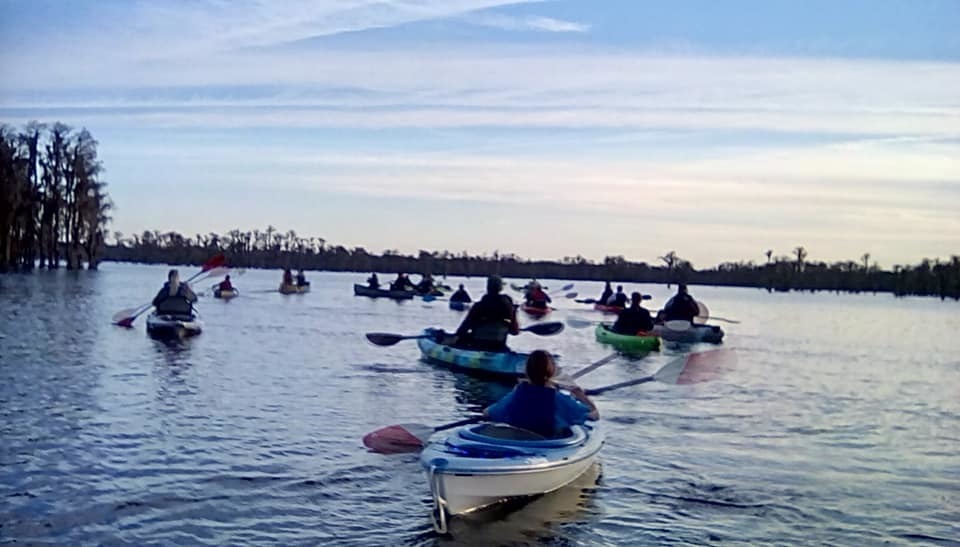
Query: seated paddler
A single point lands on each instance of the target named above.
(489, 321)
(538, 405)
(175, 298)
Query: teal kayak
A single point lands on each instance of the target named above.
(626, 342)
(509, 363)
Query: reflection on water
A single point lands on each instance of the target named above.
(839, 425)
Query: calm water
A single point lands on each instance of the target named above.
(840, 423)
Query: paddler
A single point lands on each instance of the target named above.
(460, 295)
(302, 279)
(373, 282)
(635, 319)
(681, 307)
(225, 285)
(489, 321)
(536, 297)
(619, 299)
(287, 277)
(607, 293)
(175, 298)
(538, 405)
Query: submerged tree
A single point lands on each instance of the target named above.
(54, 202)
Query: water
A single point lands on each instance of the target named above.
(840, 423)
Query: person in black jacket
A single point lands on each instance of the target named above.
(634, 319)
(175, 298)
(681, 307)
(489, 321)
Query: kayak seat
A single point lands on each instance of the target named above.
(507, 435)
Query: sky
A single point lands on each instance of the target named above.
(543, 128)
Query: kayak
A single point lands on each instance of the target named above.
(459, 306)
(363, 290)
(607, 309)
(294, 289)
(696, 333)
(508, 363)
(225, 295)
(535, 311)
(480, 465)
(626, 342)
(173, 326)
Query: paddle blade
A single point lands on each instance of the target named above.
(697, 367)
(704, 313)
(571, 294)
(123, 315)
(383, 338)
(125, 322)
(215, 261)
(429, 298)
(397, 439)
(580, 323)
(566, 287)
(545, 329)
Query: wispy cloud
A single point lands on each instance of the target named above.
(537, 23)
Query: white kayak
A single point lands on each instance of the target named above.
(173, 326)
(479, 465)
(689, 334)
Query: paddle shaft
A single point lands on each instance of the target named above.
(611, 387)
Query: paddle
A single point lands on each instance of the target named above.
(581, 323)
(400, 438)
(387, 339)
(678, 325)
(125, 318)
(571, 295)
(566, 287)
(687, 369)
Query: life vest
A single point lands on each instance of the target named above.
(533, 408)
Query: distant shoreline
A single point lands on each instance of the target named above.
(927, 279)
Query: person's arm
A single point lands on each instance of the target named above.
(159, 298)
(467, 323)
(578, 394)
(514, 324)
(189, 294)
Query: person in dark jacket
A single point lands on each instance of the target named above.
(619, 299)
(681, 307)
(536, 297)
(302, 279)
(175, 298)
(537, 405)
(607, 293)
(489, 321)
(461, 295)
(373, 282)
(225, 285)
(634, 319)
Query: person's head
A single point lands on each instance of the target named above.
(619, 288)
(682, 288)
(494, 284)
(461, 286)
(300, 271)
(228, 277)
(535, 284)
(286, 270)
(608, 285)
(636, 298)
(540, 367)
(173, 276)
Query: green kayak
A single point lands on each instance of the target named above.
(626, 342)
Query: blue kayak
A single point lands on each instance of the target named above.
(509, 363)
(459, 306)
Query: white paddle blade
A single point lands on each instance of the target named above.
(698, 367)
(678, 325)
(704, 313)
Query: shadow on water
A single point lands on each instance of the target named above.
(550, 518)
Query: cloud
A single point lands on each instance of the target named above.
(513, 23)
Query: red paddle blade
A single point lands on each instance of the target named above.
(705, 366)
(125, 322)
(215, 261)
(394, 439)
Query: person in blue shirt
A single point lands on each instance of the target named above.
(539, 406)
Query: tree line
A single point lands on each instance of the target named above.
(272, 248)
(53, 203)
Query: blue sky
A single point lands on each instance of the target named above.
(547, 129)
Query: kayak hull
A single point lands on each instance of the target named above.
(607, 309)
(172, 327)
(363, 290)
(225, 295)
(534, 311)
(471, 468)
(624, 342)
(294, 289)
(711, 334)
(459, 306)
(508, 364)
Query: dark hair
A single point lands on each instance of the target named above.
(619, 288)
(494, 284)
(540, 367)
(636, 297)
(172, 273)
